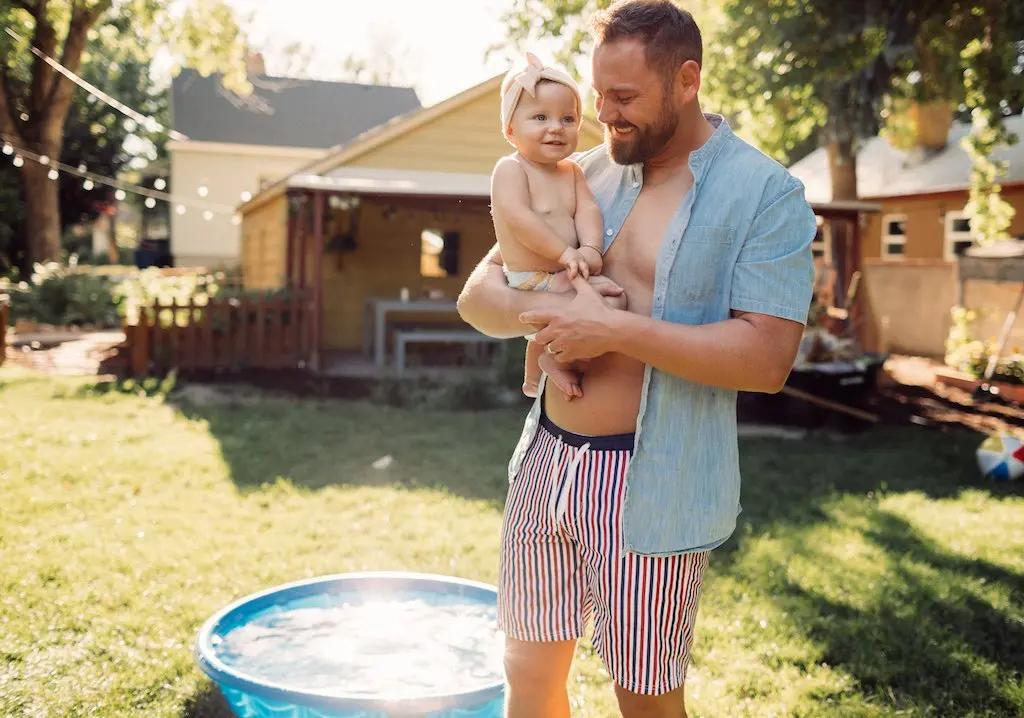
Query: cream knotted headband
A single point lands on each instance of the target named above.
(525, 79)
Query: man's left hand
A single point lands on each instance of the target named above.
(582, 330)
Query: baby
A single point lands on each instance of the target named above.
(545, 218)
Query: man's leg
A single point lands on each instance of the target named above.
(537, 674)
(644, 607)
(542, 597)
(644, 628)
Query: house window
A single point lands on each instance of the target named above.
(439, 253)
(958, 235)
(821, 247)
(894, 236)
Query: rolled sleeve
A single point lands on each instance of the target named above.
(774, 273)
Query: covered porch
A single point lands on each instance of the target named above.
(383, 255)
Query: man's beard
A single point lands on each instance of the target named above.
(642, 144)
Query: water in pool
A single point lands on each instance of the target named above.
(391, 648)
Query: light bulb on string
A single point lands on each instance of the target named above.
(18, 162)
(82, 167)
(159, 183)
(236, 219)
(87, 185)
(44, 160)
(8, 150)
(203, 191)
(246, 196)
(207, 215)
(150, 202)
(53, 174)
(119, 195)
(180, 209)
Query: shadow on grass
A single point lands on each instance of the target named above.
(932, 631)
(928, 636)
(207, 703)
(316, 444)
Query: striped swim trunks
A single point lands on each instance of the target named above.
(562, 564)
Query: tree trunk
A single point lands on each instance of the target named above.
(42, 213)
(842, 165)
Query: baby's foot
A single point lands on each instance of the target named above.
(562, 376)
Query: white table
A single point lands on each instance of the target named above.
(375, 319)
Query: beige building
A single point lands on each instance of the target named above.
(236, 146)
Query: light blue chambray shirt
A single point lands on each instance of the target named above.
(741, 239)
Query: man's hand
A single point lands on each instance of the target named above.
(582, 330)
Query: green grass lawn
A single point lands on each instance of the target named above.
(876, 576)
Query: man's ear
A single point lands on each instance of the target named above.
(688, 81)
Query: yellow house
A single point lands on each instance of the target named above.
(401, 213)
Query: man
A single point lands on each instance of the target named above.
(616, 498)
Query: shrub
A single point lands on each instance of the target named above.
(61, 295)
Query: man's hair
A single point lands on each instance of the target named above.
(669, 34)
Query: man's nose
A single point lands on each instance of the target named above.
(606, 114)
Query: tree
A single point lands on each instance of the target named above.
(386, 62)
(786, 71)
(94, 136)
(35, 98)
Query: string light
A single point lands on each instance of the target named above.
(159, 183)
(203, 191)
(150, 202)
(94, 92)
(91, 179)
(8, 149)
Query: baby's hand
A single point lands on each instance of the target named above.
(595, 261)
(575, 263)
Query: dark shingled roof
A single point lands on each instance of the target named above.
(283, 112)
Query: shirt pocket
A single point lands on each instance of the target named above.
(701, 264)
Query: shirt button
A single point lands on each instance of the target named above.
(609, 232)
(635, 185)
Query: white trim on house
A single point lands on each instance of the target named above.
(229, 148)
(821, 247)
(369, 180)
(954, 237)
(892, 239)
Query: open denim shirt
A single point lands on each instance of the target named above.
(741, 239)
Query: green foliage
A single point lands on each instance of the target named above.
(60, 295)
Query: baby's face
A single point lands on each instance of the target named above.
(545, 128)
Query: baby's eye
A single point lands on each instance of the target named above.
(541, 117)
(569, 120)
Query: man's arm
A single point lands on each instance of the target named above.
(753, 350)
(490, 306)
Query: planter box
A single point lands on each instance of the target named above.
(966, 382)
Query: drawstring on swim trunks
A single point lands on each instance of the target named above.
(560, 497)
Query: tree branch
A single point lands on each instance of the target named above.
(62, 90)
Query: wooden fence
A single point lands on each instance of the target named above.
(222, 335)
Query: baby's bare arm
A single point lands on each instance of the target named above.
(589, 223)
(510, 203)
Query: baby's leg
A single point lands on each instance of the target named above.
(561, 374)
(531, 374)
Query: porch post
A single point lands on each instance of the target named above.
(855, 265)
(303, 227)
(318, 279)
(290, 244)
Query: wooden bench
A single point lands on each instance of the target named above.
(446, 336)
